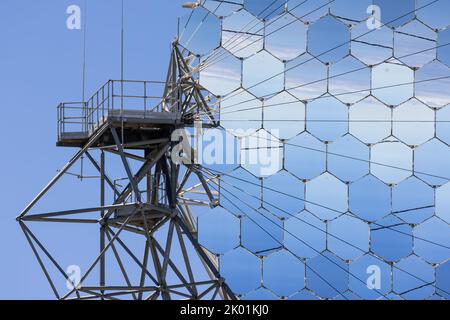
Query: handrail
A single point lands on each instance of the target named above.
(83, 117)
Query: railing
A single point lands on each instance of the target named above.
(161, 191)
(84, 117)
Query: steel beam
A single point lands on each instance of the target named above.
(63, 171)
(165, 205)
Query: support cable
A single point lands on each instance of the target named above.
(302, 241)
(327, 208)
(201, 23)
(327, 233)
(287, 249)
(83, 95)
(351, 158)
(232, 40)
(325, 96)
(122, 69)
(317, 81)
(333, 77)
(228, 52)
(334, 48)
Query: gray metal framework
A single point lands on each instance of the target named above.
(156, 199)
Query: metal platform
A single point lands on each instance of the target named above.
(137, 125)
(125, 105)
(151, 214)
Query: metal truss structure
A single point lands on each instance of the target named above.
(156, 202)
(324, 124)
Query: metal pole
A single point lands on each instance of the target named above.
(102, 227)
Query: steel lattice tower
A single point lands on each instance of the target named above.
(155, 199)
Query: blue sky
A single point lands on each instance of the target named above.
(41, 65)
